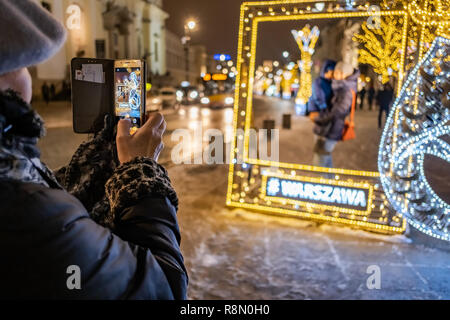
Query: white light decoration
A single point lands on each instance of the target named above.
(349, 4)
(320, 6)
(416, 123)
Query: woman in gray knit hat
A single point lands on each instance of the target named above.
(103, 227)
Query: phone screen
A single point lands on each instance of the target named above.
(128, 94)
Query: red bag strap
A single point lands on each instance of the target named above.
(352, 112)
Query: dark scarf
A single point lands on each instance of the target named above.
(20, 129)
(91, 166)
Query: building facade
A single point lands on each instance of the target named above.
(175, 57)
(176, 60)
(120, 29)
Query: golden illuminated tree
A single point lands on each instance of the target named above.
(381, 46)
(381, 43)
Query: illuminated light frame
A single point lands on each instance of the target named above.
(248, 29)
(360, 185)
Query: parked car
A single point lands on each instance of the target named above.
(169, 97)
(219, 100)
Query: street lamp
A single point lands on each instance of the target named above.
(189, 26)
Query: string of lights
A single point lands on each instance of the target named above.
(306, 39)
(419, 131)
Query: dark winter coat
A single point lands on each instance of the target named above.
(331, 122)
(321, 89)
(371, 93)
(384, 98)
(123, 237)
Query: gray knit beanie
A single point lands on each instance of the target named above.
(28, 35)
(345, 68)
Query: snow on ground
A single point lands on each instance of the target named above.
(236, 254)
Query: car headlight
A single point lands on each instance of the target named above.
(229, 100)
(204, 100)
(193, 94)
(179, 95)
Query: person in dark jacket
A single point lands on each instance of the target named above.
(45, 91)
(321, 88)
(384, 101)
(104, 226)
(331, 121)
(362, 96)
(371, 95)
(52, 91)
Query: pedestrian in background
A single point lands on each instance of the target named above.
(384, 101)
(108, 219)
(45, 90)
(66, 90)
(371, 95)
(52, 92)
(330, 123)
(362, 96)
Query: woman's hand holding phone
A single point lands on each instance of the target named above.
(146, 142)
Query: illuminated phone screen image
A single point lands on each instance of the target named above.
(129, 94)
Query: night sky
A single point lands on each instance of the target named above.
(218, 22)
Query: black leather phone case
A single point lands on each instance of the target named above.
(91, 101)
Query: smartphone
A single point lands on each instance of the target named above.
(129, 91)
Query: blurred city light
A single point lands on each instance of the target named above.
(191, 24)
